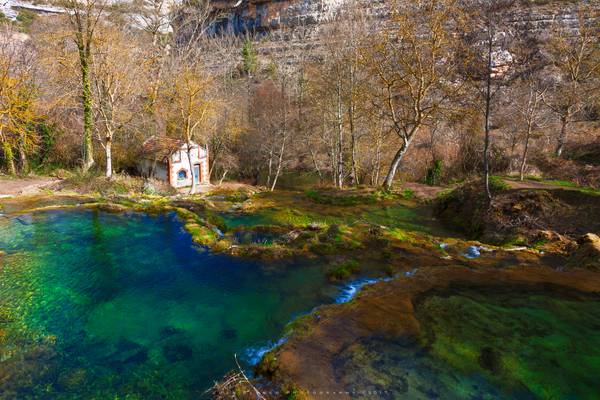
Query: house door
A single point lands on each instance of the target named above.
(197, 173)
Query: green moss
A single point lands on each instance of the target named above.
(344, 270)
(400, 234)
(498, 184)
(343, 198)
(321, 248)
(301, 326)
(234, 196)
(408, 194)
(216, 220)
(201, 234)
(514, 240)
(267, 366)
(496, 332)
(293, 392)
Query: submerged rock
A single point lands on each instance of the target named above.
(490, 359)
(72, 379)
(228, 333)
(177, 352)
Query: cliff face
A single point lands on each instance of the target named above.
(239, 16)
(297, 27)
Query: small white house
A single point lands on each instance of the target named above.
(166, 159)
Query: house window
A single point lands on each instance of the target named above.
(182, 175)
(177, 156)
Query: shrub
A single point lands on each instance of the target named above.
(497, 184)
(434, 173)
(343, 270)
(408, 194)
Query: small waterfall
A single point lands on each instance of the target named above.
(253, 355)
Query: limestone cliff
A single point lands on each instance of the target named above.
(239, 16)
(297, 28)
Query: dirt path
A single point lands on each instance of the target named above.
(535, 185)
(13, 187)
(423, 191)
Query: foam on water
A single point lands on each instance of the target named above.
(253, 355)
(473, 252)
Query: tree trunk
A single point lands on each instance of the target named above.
(314, 160)
(562, 137)
(283, 136)
(340, 141)
(10, 158)
(488, 99)
(355, 181)
(108, 151)
(353, 139)
(223, 177)
(270, 167)
(23, 160)
(279, 162)
(389, 178)
(189, 154)
(86, 99)
(525, 150)
(377, 163)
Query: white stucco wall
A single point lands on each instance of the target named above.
(180, 161)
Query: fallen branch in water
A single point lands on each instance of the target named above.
(228, 388)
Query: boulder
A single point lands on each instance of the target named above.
(587, 254)
(291, 236)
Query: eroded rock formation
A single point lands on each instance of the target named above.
(261, 15)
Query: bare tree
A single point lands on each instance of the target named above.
(575, 57)
(190, 93)
(116, 81)
(527, 103)
(84, 17)
(487, 62)
(414, 65)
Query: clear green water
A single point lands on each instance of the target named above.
(486, 343)
(97, 305)
(532, 342)
(104, 306)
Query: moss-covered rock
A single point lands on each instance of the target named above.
(343, 270)
(517, 216)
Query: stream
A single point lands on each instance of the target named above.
(108, 304)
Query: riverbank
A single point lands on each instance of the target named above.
(10, 187)
(357, 238)
(332, 350)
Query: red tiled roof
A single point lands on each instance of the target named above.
(160, 147)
